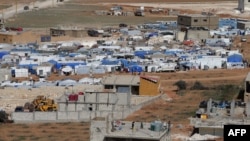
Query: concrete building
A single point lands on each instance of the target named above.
(243, 5)
(211, 119)
(207, 20)
(65, 31)
(122, 83)
(243, 25)
(199, 35)
(4, 74)
(18, 37)
(120, 98)
(116, 130)
(133, 84)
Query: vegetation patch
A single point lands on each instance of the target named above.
(222, 92)
(198, 86)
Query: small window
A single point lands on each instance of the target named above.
(195, 20)
(181, 19)
(204, 20)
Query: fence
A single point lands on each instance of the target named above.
(66, 116)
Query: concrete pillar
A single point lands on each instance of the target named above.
(248, 109)
(56, 115)
(97, 101)
(129, 96)
(209, 106)
(232, 108)
(107, 124)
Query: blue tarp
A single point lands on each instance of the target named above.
(72, 64)
(228, 22)
(135, 68)
(125, 63)
(109, 62)
(2, 53)
(235, 58)
(141, 54)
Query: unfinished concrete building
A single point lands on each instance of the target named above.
(68, 31)
(133, 84)
(243, 25)
(119, 101)
(212, 118)
(18, 37)
(122, 83)
(207, 20)
(117, 130)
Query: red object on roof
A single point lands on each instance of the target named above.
(188, 42)
(151, 78)
(81, 93)
(14, 28)
(73, 97)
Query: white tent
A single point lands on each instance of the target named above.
(67, 82)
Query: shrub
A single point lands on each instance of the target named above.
(198, 86)
(182, 85)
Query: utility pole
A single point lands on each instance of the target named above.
(52, 3)
(16, 7)
(2, 20)
(3, 16)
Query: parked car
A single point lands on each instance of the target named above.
(123, 25)
(93, 33)
(19, 109)
(26, 7)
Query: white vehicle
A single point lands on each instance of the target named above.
(167, 67)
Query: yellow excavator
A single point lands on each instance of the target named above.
(41, 103)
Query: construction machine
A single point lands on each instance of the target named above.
(41, 103)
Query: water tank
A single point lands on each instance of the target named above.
(152, 126)
(158, 126)
(142, 8)
(6, 77)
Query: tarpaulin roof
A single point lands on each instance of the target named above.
(235, 58)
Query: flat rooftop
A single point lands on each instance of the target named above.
(218, 122)
(121, 80)
(197, 15)
(124, 130)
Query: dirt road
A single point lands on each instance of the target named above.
(19, 7)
